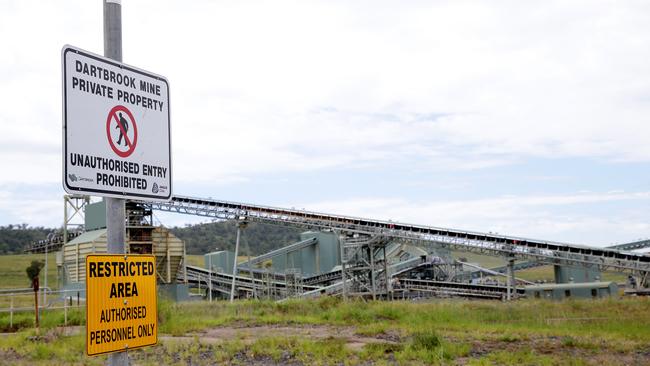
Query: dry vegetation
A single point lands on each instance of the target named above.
(331, 332)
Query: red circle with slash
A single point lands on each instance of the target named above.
(130, 144)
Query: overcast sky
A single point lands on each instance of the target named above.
(527, 118)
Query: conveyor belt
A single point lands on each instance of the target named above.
(641, 244)
(514, 247)
(533, 264)
(223, 281)
(282, 251)
(54, 243)
(457, 288)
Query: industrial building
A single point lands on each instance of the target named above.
(142, 237)
(345, 256)
(587, 290)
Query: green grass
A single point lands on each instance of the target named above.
(198, 260)
(426, 333)
(44, 348)
(48, 319)
(484, 261)
(616, 319)
(195, 260)
(12, 268)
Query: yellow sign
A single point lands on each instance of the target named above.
(121, 303)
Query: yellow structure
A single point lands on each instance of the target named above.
(157, 240)
(121, 303)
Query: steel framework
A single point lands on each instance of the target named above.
(490, 244)
(73, 209)
(364, 269)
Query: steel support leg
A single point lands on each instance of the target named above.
(234, 266)
(510, 279)
(343, 274)
(371, 253)
(389, 290)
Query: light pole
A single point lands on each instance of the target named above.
(240, 226)
(47, 242)
(210, 276)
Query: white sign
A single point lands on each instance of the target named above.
(116, 131)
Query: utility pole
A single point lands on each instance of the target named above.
(115, 220)
(510, 279)
(210, 275)
(47, 242)
(240, 225)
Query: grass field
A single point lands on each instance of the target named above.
(12, 270)
(199, 261)
(484, 261)
(329, 331)
(195, 260)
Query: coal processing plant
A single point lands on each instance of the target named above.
(342, 256)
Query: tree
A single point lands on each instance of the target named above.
(33, 272)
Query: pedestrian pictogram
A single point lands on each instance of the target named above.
(122, 131)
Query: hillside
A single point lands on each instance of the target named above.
(203, 238)
(14, 238)
(199, 239)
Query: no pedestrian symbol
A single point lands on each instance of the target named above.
(122, 131)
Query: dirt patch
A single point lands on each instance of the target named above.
(249, 334)
(558, 347)
(10, 356)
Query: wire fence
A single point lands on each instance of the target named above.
(22, 300)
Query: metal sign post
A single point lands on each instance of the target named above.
(115, 215)
(116, 144)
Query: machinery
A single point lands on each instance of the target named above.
(350, 256)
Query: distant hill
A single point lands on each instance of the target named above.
(199, 239)
(15, 238)
(204, 238)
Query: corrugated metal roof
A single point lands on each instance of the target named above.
(87, 237)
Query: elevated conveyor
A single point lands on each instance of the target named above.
(457, 288)
(491, 244)
(221, 282)
(642, 244)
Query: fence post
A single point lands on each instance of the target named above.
(77, 298)
(65, 313)
(11, 313)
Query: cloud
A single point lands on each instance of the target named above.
(563, 218)
(300, 87)
(34, 205)
(288, 89)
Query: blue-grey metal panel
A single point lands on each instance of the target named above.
(95, 216)
(568, 274)
(328, 249)
(221, 260)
